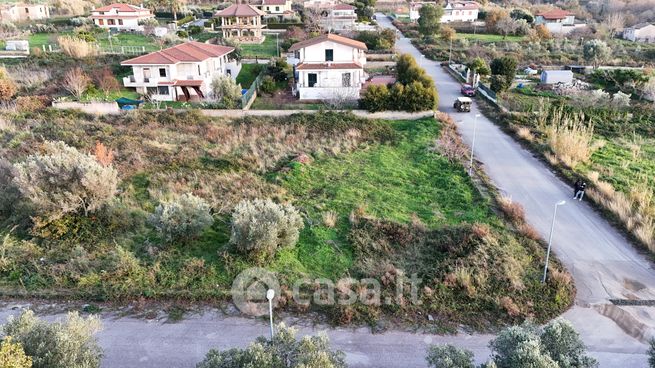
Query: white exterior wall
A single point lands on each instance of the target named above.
(130, 20)
(459, 15)
(205, 71)
(645, 34)
(24, 12)
(341, 53)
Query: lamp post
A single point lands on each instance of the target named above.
(550, 239)
(475, 128)
(270, 294)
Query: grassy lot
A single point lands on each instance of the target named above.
(397, 205)
(265, 50)
(490, 37)
(97, 95)
(248, 74)
(265, 103)
(121, 39)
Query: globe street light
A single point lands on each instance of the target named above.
(550, 239)
(270, 294)
(475, 127)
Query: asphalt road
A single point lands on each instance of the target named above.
(604, 266)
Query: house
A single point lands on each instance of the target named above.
(121, 17)
(319, 5)
(557, 21)
(328, 67)
(642, 32)
(340, 17)
(556, 77)
(242, 22)
(460, 11)
(277, 9)
(19, 12)
(182, 72)
(453, 11)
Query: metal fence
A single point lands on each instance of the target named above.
(250, 93)
(115, 49)
(488, 91)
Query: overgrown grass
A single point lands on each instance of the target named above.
(377, 199)
(248, 74)
(266, 49)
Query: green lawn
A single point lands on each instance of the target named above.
(266, 49)
(248, 74)
(97, 95)
(121, 39)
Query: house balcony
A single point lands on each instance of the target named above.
(131, 81)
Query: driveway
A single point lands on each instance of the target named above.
(603, 263)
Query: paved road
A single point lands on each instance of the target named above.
(603, 263)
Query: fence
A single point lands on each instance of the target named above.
(250, 95)
(117, 49)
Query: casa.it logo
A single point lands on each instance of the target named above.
(249, 291)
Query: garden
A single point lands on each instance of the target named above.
(165, 206)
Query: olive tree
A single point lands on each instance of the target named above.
(61, 180)
(429, 20)
(449, 356)
(184, 217)
(67, 344)
(596, 52)
(12, 355)
(225, 90)
(283, 351)
(261, 227)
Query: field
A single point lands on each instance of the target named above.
(490, 37)
(122, 39)
(248, 74)
(377, 200)
(266, 49)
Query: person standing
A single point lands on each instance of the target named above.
(580, 193)
(576, 187)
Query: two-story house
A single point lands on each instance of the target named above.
(642, 32)
(242, 22)
(182, 72)
(278, 9)
(18, 12)
(453, 11)
(340, 17)
(557, 21)
(328, 67)
(121, 17)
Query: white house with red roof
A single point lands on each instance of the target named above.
(182, 72)
(453, 11)
(279, 9)
(119, 16)
(328, 67)
(242, 22)
(557, 21)
(340, 17)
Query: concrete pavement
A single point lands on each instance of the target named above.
(603, 263)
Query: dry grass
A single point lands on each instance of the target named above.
(524, 133)
(77, 48)
(514, 211)
(570, 137)
(560, 277)
(450, 143)
(509, 306)
(464, 278)
(529, 231)
(330, 219)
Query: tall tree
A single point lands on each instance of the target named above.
(429, 20)
(596, 52)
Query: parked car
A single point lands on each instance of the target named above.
(462, 104)
(467, 90)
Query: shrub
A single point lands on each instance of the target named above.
(68, 344)
(514, 211)
(184, 217)
(226, 91)
(9, 195)
(449, 356)
(375, 98)
(7, 86)
(106, 81)
(76, 48)
(267, 85)
(261, 227)
(63, 180)
(32, 103)
(651, 353)
(283, 351)
(569, 137)
(519, 346)
(562, 342)
(12, 355)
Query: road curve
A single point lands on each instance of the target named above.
(603, 263)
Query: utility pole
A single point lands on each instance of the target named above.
(550, 239)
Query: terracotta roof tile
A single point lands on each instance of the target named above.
(343, 7)
(555, 14)
(274, 2)
(121, 8)
(321, 66)
(239, 10)
(328, 37)
(186, 52)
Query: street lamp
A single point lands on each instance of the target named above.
(270, 294)
(475, 128)
(550, 239)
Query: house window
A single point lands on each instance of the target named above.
(296, 54)
(146, 75)
(111, 22)
(329, 55)
(198, 69)
(27, 10)
(311, 79)
(120, 22)
(101, 22)
(345, 79)
(277, 8)
(162, 72)
(162, 90)
(151, 91)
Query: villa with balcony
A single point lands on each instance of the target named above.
(121, 17)
(180, 73)
(328, 67)
(242, 23)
